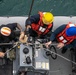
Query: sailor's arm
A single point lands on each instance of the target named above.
(54, 34)
(19, 27)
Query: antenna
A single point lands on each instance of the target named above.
(31, 8)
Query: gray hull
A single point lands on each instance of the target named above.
(60, 66)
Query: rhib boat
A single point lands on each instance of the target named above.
(39, 64)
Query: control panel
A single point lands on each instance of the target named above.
(41, 62)
(31, 57)
(25, 56)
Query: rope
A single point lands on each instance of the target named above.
(62, 57)
(14, 46)
(41, 45)
(1, 44)
(44, 48)
(57, 53)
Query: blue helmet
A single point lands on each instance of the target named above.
(71, 31)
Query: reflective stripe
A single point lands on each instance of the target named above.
(71, 25)
(64, 41)
(44, 12)
(42, 29)
(61, 37)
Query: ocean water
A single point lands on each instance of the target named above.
(22, 7)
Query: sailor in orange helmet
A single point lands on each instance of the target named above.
(40, 25)
(7, 34)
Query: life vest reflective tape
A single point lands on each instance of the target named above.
(42, 29)
(64, 41)
(71, 25)
(62, 38)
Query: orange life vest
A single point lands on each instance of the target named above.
(62, 37)
(38, 27)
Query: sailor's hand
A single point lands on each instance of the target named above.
(23, 38)
(48, 43)
(2, 54)
(21, 32)
(21, 35)
(60, 45)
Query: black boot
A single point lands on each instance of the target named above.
(72, 49)
(63, 50)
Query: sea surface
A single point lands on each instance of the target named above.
(22, 7)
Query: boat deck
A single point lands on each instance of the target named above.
(6, 69)
(58, 66)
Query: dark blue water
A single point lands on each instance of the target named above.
(22, 7)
